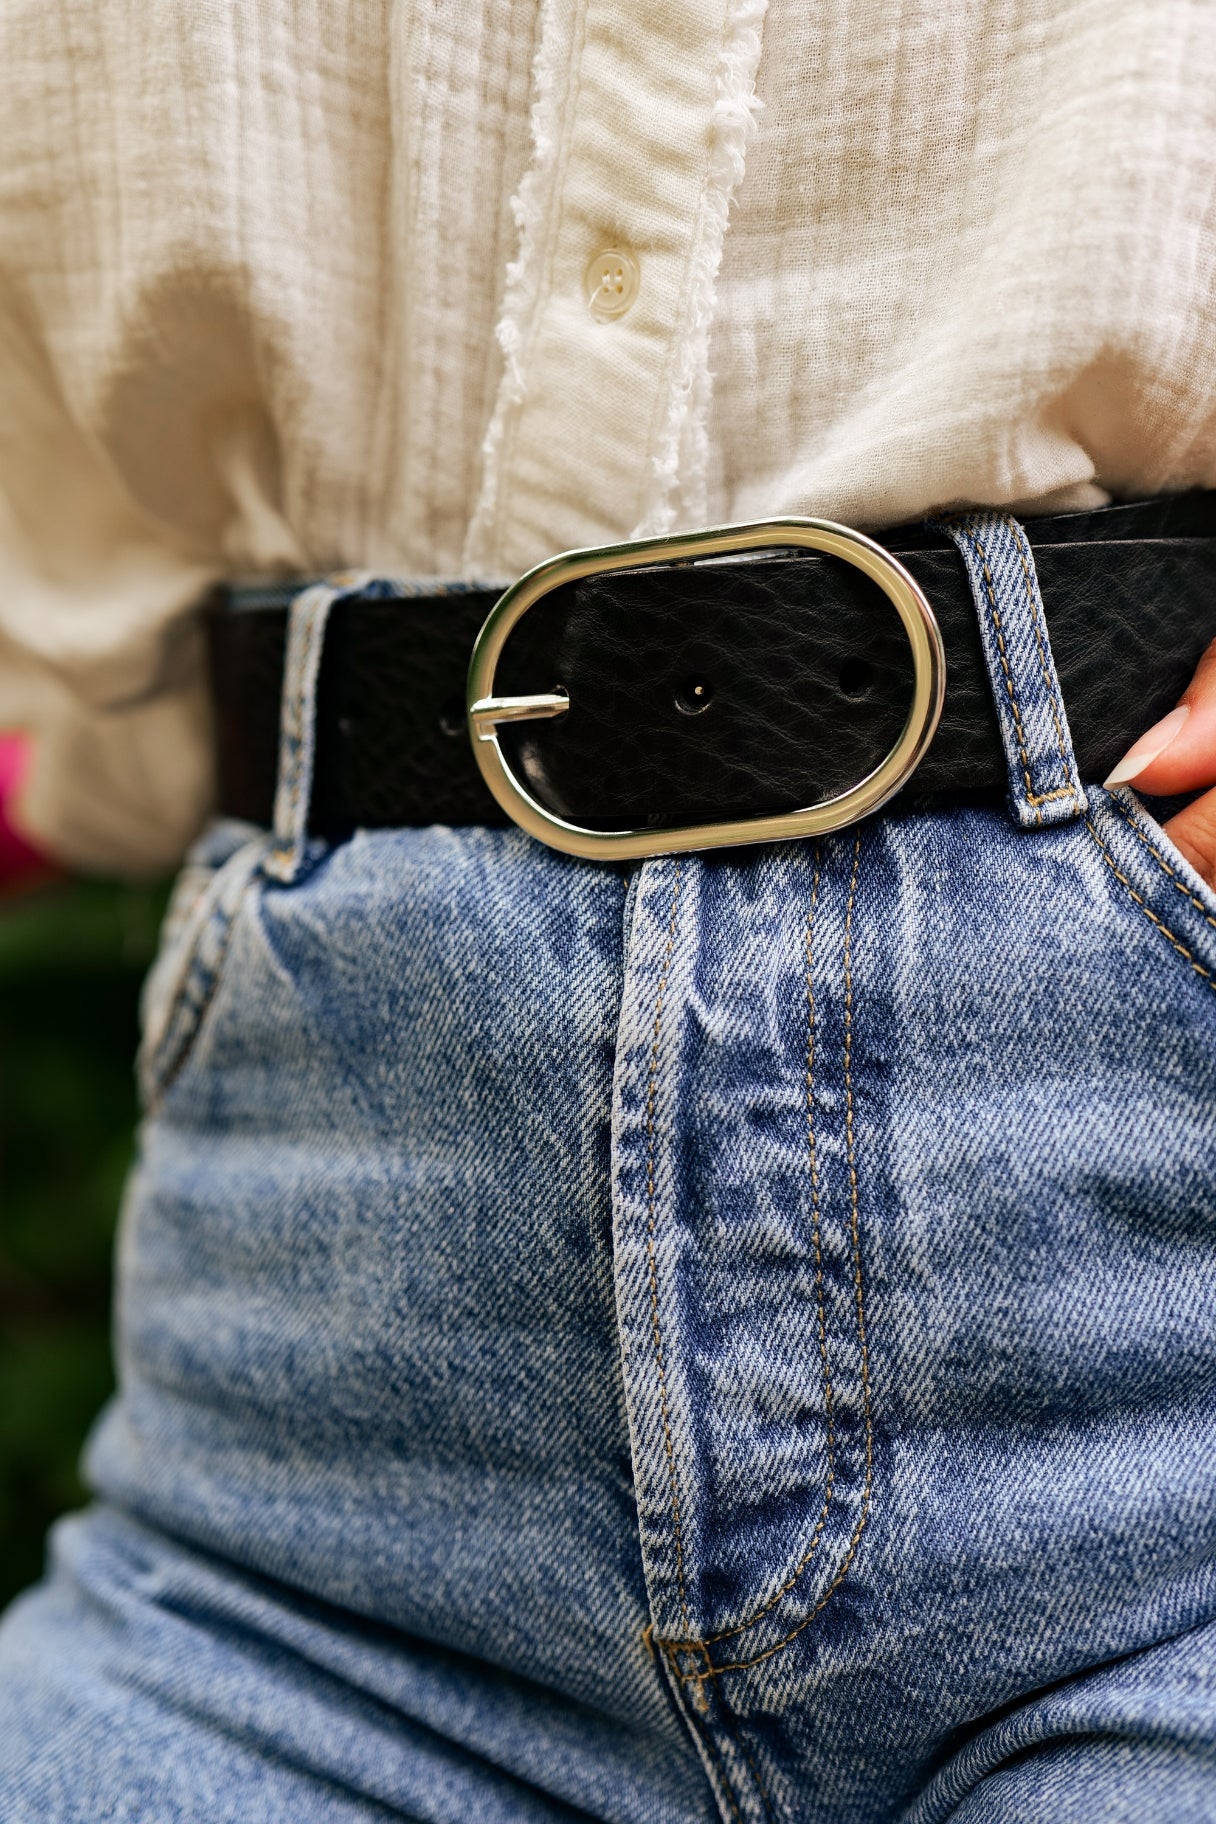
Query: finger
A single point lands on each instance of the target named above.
(1178, 754)
(1194, 832)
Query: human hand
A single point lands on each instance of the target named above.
(1178, 754)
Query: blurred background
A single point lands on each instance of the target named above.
(72, 957)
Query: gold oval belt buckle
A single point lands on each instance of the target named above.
(486, 711)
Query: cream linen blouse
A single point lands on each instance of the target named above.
(297, 284)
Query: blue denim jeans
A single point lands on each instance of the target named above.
(730, 1339)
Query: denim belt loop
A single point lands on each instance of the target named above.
(306, 623)
(1044, 784)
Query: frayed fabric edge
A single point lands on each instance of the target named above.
(530, 208)
(680, 463)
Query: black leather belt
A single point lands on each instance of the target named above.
(725, 688)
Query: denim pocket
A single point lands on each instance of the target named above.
(1157, 880)
(183, 980)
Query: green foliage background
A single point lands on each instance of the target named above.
(71, 962)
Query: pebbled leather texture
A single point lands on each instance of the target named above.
(803, 669)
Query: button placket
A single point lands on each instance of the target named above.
(601, 360)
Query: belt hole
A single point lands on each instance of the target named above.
(452, 720)
(855, 677)
(694, 696)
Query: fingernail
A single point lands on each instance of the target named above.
(1147, 748)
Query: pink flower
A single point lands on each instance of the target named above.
(20, 860)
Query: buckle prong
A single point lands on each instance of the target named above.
(488, 712)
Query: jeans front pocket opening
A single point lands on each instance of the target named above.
(1157, 878)
(183, 981)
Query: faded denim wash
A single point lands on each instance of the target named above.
(733, 1340)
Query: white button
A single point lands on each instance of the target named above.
(612, 282)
